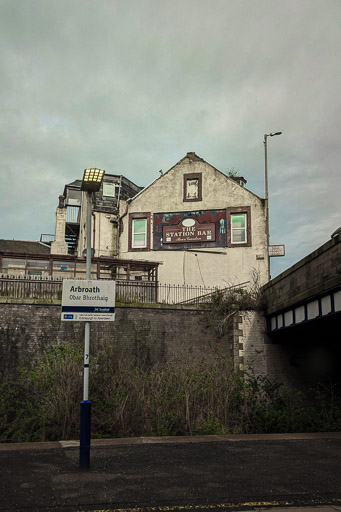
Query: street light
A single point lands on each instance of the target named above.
(92, 179)
(266, 135)
(91, 182)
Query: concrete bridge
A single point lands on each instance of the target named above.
(303, 309)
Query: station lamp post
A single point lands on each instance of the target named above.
(266, 135)
(91, 182)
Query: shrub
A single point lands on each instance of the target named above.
(185, 396)
(44, 403)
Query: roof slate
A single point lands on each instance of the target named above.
(23, 247)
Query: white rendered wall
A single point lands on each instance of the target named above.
(103, 233)
(236, 264)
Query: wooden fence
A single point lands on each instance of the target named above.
(29, 287)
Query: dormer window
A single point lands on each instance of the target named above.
(110, 189)
(74, 197)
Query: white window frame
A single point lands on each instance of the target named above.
(114, 185)
(133, 233)
(235, 229)
(192, 183)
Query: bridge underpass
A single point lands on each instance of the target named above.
(303, 313)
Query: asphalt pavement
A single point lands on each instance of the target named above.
(208, 473)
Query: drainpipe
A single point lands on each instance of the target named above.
(118, 229)
(118, 222)
(119, 192)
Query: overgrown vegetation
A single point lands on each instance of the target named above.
(185, 396)
(43, 404)
(226, 303)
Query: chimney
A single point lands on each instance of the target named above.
(59, 246)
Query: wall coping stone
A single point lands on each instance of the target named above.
(315, 254)
(57, 302)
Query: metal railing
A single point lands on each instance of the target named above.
(203, 299)
(131, 292)
(137, 292)
(46, 238)
(72, 214)
(182, 294)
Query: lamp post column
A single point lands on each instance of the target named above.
(85, 424)
(92, 180)
(88, 276)
(267, 202)
(266, 135)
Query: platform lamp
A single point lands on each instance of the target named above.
(266, 135)
(91, 182)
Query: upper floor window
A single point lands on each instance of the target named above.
(110, 189)
(239, 222)
(193, 187)
(238, 228)
(139, 232)
(73, 197)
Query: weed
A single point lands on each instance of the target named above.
(187, 395)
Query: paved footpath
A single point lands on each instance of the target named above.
(208, 474)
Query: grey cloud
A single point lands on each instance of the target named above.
(132, 86)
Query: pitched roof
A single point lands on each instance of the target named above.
(23, 247)
(77, 184)
(194, 158)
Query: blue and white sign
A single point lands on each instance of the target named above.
(88, 300)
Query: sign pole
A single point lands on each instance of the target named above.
(85, 422)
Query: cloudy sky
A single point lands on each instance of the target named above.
(132, 85)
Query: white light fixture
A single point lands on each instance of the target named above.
(92, 179)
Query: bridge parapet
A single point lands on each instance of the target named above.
(313, 276)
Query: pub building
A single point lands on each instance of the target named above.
(202, 226)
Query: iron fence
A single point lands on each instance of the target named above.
(137, 292)
(206, 297)
(133, 292)
(182, 294)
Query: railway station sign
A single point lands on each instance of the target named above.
(88, 300)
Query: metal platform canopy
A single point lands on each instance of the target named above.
(61, 266)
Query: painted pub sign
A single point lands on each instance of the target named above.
(189, 229)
